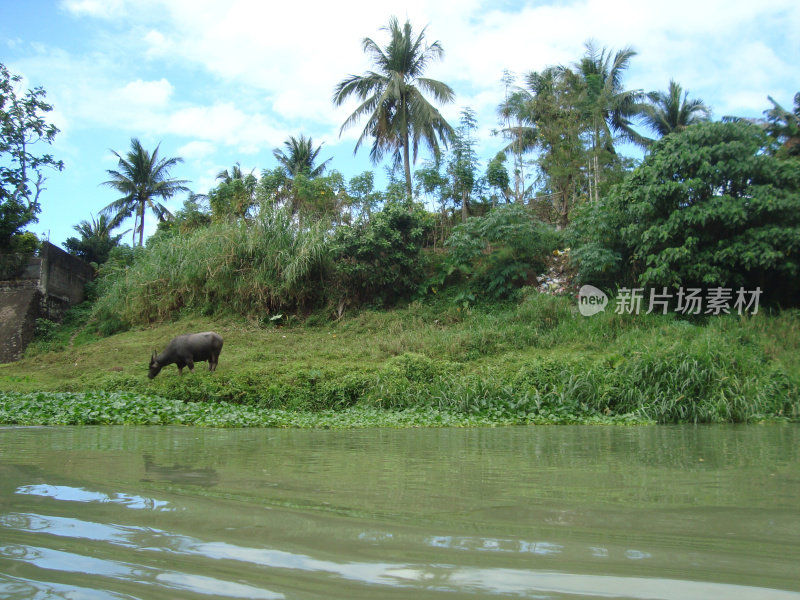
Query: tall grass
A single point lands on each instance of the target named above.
(542, 362)
(257, 268)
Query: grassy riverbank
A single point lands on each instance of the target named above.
(533, 361)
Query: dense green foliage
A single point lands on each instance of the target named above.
(234, 197)
(22, 127)
(710, 206)
(501, 251)
(128, 408)
(380, 260)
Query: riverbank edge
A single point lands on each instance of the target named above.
(121, 408)
(532, 362)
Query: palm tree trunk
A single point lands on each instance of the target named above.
(141, 223)
(596, 163)
(406, 153)
(521, 180)
(407, 161)
(407, 168)
(517, 166)
(596, 179)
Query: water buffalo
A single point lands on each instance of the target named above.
(185, 350)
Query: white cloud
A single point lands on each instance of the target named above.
(196, 149)
(152, 94)
(102, 9)
(158, 45)
(224, 123)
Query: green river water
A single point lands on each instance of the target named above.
(656, 512)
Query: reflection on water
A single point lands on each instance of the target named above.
(73, 494)
(98, 569)
(178, 473)
(657, 513)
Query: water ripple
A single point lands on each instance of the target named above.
(19, 587)
(431, 577)
(75, 494)
(70, 562)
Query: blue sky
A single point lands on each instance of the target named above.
(223, 81)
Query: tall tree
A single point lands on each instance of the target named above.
(464, 162)
(519, 128)
(362, 190)
(555, 103)
(608, 106)
(300, 156)
(142, 177)
(497, 176)
(22, 127)
(235, 195)
(671, 111)
(398, 114)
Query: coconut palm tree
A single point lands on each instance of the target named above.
(299, 157)
(521, 131)
(297, 167)
(670, 111)
(235, 173)
(142, 177)
(398, 115)
(608, 106)
(96, 240)
(784, 125)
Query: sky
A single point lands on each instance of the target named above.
(217, 82)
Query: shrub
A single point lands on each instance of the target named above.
(500, 252)
(380, 260)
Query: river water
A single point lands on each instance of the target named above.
(531, 512)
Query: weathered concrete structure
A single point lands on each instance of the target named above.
(43, 287)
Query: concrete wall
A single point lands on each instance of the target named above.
(20, 306)
(48, 285)
(62, 278)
